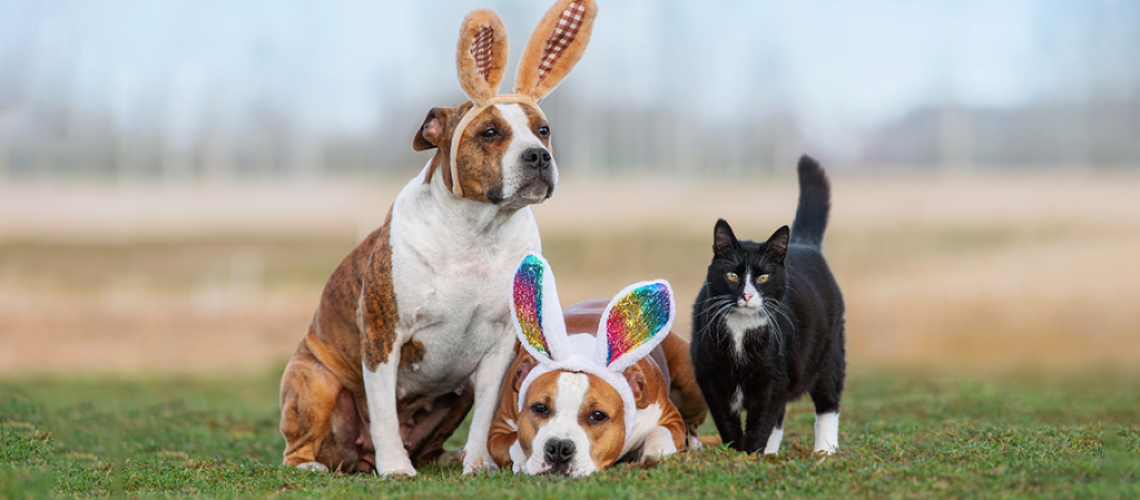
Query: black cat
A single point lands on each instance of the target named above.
(768, 327)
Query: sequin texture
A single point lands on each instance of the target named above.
(528, 302)
(636, 318)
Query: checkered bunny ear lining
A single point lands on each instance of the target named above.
(569, 22)
(554, 47)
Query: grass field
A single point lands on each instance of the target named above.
(992, 334)
(902, 437)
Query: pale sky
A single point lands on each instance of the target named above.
(336, 67)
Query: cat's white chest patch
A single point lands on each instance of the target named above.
(739, 322)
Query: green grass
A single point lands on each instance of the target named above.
(903, 436)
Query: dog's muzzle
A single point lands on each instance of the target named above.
(559, 453)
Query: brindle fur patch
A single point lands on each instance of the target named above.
(379, 316)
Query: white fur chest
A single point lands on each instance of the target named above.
(453, 261)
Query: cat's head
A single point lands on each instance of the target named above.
(747, 280)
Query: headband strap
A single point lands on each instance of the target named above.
(466, 120)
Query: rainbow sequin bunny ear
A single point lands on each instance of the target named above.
(538, 315)
(635, 322)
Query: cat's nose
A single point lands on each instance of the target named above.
(747, 297)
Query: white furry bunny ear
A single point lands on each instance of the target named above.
(634, 323)
(481, 57)
(556, 45)
(537, 314)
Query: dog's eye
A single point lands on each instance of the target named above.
(763, 278)
(598, 417)
(490, 133)
(543, 132)
(540, 409)
(732, 277)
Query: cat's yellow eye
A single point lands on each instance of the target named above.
(763, 278)
(732, 277)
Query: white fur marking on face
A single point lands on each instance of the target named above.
(827, 432)
(522, 138)
(563, 424)
(773, 446)
(754, 301)
(313, 466)
(736, 404)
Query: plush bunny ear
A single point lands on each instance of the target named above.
(481, 57)
(555, 47)
(538, 315)
(635, 322)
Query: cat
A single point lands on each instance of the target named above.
(768, 327)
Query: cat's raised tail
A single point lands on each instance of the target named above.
(815, 203)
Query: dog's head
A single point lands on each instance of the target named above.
(578, 401)
(497, 148)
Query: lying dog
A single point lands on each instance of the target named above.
(383, 376)
(579, 402)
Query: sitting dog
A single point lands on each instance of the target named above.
(383, 376)
(578, 402)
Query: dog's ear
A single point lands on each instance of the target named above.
(431, 133)
(536, 313)
(520, 374)
(637, 384)
(635, 321)
(481, 57)
(554, 47)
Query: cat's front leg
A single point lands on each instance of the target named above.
(764, 416)
(726, 418)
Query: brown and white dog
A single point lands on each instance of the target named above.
(384, 375)
(600, 383)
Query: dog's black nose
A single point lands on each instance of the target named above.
(559, 451)
(536, 158)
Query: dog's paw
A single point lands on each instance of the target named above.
(313, 466)
(658, 443)
(518, 458)
(473, 463)
(399, 467)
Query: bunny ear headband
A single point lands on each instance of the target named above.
(635, 321)
(555, 46)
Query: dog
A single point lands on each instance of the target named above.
(414, 328)
(572, 418)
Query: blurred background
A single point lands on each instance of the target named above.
(179, 178)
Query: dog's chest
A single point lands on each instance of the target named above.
(453, 288)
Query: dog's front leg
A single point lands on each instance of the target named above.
(488, 385)
(380, 390)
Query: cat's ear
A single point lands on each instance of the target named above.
(777, 245)
(536, 312)
(635, 321)
(724, 241)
